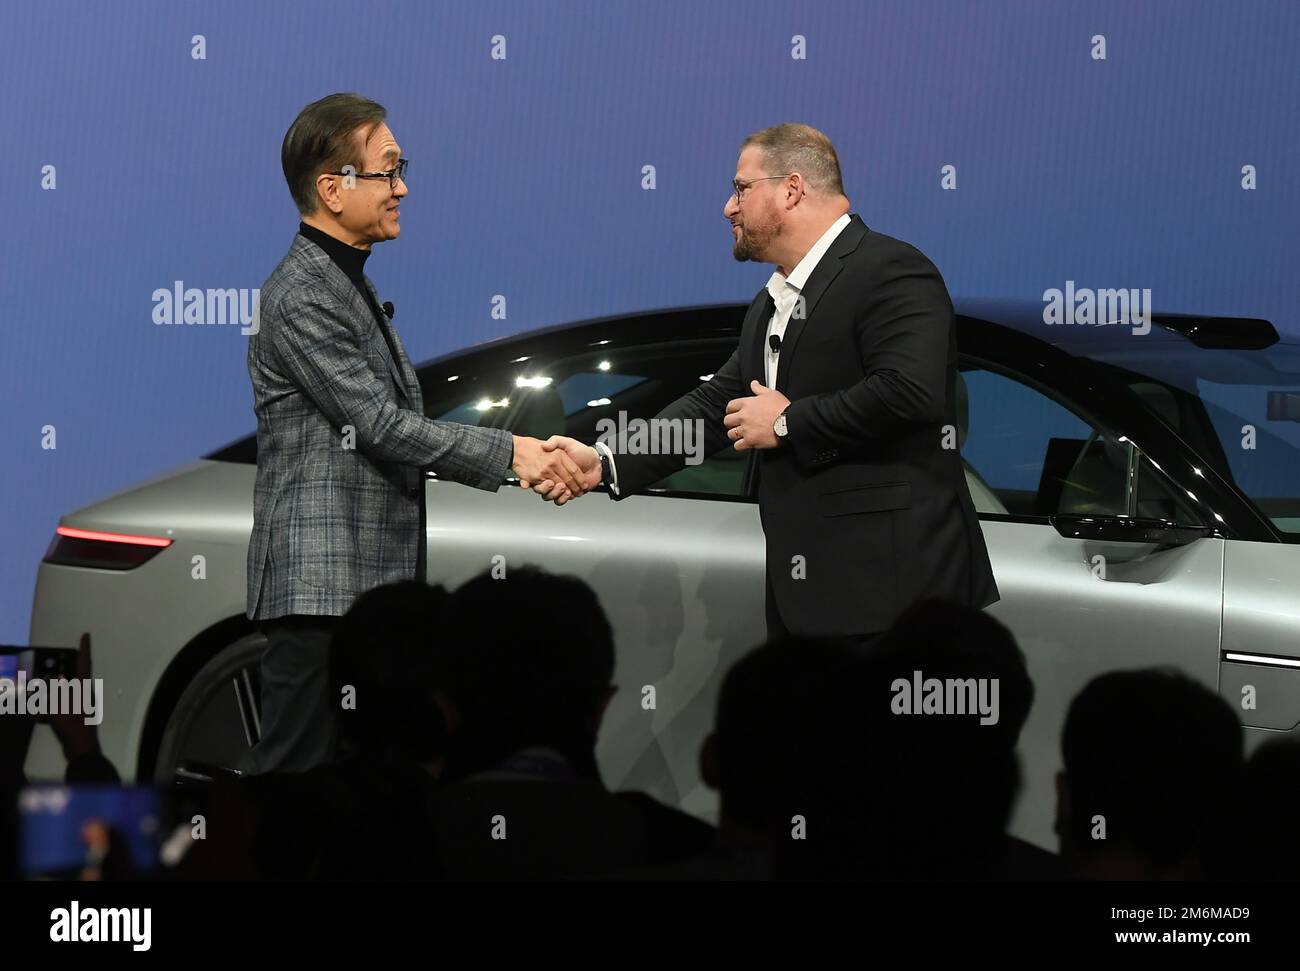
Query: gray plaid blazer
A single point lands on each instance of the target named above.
(330, 521)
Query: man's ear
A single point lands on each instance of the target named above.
(709, 762)
(450, 714)
(328, 189)
(795, 190)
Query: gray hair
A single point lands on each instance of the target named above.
(792, 147)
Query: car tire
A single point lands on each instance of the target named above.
(216, 715)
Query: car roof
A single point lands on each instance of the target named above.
(1178, 349)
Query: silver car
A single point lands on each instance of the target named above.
(1139, 494)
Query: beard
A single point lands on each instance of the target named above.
(756, 236)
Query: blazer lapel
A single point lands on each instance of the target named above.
(753, 336)
(827, 269)
(305, 249)
(397, 368)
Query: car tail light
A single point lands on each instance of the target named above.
(103, 551)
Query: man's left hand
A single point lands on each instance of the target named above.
(749, 421)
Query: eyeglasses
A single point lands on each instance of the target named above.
(392, 175)
(738, 188)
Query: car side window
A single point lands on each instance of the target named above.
(1158, 498)
(586, 394)
(1027, 455)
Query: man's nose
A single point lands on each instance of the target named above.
(731, 208)
(401, 188)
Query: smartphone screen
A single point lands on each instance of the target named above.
(88, 832)
(49, 663)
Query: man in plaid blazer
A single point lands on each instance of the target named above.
(342, 439)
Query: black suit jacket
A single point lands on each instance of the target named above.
(862, 488)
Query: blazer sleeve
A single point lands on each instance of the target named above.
(320, 351)
(903, 336)
(707, 404)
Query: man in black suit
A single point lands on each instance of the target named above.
(844, 381)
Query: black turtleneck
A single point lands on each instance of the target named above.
(349, 259)
(352, 262)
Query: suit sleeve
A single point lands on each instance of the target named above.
(903, 336)
(319, 349)
(707, 404)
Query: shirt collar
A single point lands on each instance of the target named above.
(776, 284)
(349, 259)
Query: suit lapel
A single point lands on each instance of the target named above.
(827, 269)
(753, 335)
(397, 368)
(343, 290)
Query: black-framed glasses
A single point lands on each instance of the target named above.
(392, 175)
(738, 188)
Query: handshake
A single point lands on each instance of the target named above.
(558, 469)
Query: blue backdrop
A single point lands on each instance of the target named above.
(526, 178)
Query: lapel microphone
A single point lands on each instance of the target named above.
(773, 341)
(387, 308)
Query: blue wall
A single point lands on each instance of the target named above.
(525, 178)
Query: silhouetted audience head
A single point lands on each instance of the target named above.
(895, 760)
(1265, 843)
(954, 640)
(524, 661)
(906, 766)
(762, 697)
(382, 670)
(1152, 763)
(362, 815)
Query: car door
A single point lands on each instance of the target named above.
(679, 569)
(1079, 605)
(1255, 417)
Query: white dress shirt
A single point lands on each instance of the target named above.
(785, 291)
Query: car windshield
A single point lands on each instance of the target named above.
(1240, 409)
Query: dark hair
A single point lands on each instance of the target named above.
(759, 705)
(900, 797)
(947, 639)
(324, 138)
(1156, 754)
(1265, 845)
(383, 650)
(526, 660)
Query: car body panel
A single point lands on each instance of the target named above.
(1153, 608)
(1261, 621)
(134, 616)
(681, 576)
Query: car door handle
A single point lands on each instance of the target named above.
(1127, 529)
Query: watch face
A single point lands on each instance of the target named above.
(779, 426)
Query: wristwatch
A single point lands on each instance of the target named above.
(606, 476)
(779, 426)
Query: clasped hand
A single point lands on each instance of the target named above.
(558, 469)
(561, 468)
(749, 420)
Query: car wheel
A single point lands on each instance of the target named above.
(217, 718)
